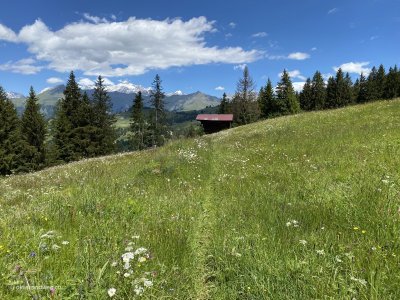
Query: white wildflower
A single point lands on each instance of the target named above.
(338, 259)
(65, 242)
(114, 264)
(138, 290)
(147, 283)
(55, 247)
(129, 248)
(303, 242)
(126, 275)
(126, 258)
(111, 292)
(359, 280)
(140, 251)
(320, 252)
(142, 259)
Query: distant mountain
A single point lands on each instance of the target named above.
(13, 95)
(122, 96)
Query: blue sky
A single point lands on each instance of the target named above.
(193, 45)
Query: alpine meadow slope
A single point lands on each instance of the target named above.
(298, 207)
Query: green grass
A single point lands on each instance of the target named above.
(299, 207)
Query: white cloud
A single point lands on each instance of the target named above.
(94, 19)
(232, 25)
(355, 67)
(314, 49)
(333, 10)
(239, 67)
(219, 88)
(228, 35)
(298, 56)
(24, 66)
(86, 83)
(131, 47)
(54, 80)
(294, 74)
(298, 86)
(6, 34)
(259, 34)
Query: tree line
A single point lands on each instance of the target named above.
(83, 127)
(247, 106)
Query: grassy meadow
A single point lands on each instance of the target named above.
(297, 207)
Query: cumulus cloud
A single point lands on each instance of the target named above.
(298, 56)
(24, 66)
(6, 34)
(259, 34)
(219, 88)
(94, 19)
(298, 86)
(294, 74)
(232, 25)
(333, 10)
(131, 47)
(54, 80)
(355, 67)
(239, 67)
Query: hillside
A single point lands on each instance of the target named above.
(298, 207)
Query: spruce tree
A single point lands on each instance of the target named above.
(318, 91)
(244, 104)
(270, 100)
(372, 85)
(391, 87)
(306, 96)
(12, 148)
(330, 93)
(262, 103)
(380, 82)
(362, 91)
(33, 129)
(139, 125)
(286, 97)
(224, 105)
(103, 118)
(159, 121)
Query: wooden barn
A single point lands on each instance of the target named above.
(215, 122)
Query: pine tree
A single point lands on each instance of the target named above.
(159, 121)
(318, 90)
(33, 129)
(306, 96)
(244, 104)
(139, 125)
(271, 109)
(362, 93)
(12, 148)
(331, 93)
(286, 97)
(103, 118)
(224, 105)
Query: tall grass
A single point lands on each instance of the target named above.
(299, 207)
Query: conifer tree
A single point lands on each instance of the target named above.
(103, 118)
(224, 105)
(362, 91)
(12, 149)
(244, 104)
(306, 96)
(159, 121)
(139, 125)
(270, 101)
(331, 93)
(318, 90)
(262, 105)
(372, 85)
(33, 129)
(286, 97)
(380, 82)
(391, 87)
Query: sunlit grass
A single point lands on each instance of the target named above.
(300, 207)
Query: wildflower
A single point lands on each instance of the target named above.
(126, 275)
(55, 247)
(373, 248)
(114, 264)
(32, 254)
(147, 283)
(65, 242)
(320, 252)
(359, 280)
(126, 257)
(140, 250)
(338, 259)
(142, 259)
(355, 228)
(52, 291)
(50, 234)
(138, 290)
(303, 242)
(129, 248)
(111, 292)
(363, 231)
(288, 224)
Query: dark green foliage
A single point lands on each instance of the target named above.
(267, 102)
(141, 137)
(12, 149)
(306, 96)
(224, 106)
(330, 93)
(287, 102)
(372, 85)
(103, 119)
(339, 90)
(245, 107)
(318, 90)
(362, 89)
(380, 82)
(33, 129)
(158, 124)
(392, 83)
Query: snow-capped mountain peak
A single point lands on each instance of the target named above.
(13, 95)
(176, 93)
(127, 87)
